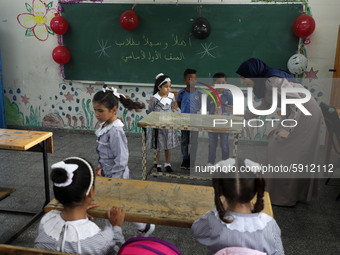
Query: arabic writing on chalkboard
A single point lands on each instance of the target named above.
(147, 50)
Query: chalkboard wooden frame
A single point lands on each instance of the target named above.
(102, 51)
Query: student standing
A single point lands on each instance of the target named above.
(189, 101)
(112, 146)
(162, 101)
(227, 100)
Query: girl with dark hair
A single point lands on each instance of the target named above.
(70, 230)
(162, 101)
(112, 146)
(236, 222)
(112, 143)
(287, 144)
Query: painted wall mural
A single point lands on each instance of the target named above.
(37, 20)
(71, 107)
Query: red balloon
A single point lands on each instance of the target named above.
(59, 25)
(129, 20)
(303, 26)
(61, 55)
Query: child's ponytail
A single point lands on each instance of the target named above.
(131, 105)
(259, 185)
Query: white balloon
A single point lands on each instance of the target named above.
(297, 64)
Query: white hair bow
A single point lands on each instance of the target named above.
(253, 166)
(114, 91)
(69, 168)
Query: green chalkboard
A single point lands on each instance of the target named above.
(101, 50)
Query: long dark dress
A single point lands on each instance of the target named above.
(300, 147)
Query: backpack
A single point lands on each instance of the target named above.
(148, 246)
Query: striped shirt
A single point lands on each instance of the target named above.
(256, 231)
(79, 236)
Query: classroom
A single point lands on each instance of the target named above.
(49, 80)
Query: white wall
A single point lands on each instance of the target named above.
(30, 72)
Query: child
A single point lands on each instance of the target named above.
(227, 99)
(70, 230)
(162, 101)
(189, 101)
(112, 146)
(234, 223)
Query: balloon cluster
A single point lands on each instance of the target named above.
(303, 27)
(60, 54)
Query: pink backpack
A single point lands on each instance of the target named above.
(239, 251)
(148, 246)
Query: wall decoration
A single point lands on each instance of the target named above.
(311, 75)
(69, 97)
(13, 114)
(37, 20)
(34, 118)
(53, 120)
(25, 99)
(90, 90)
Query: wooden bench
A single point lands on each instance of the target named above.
(160, 203)
(18, 250)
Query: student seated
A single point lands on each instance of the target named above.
(71, 230)
(235, 222)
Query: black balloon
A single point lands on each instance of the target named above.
(201, 28)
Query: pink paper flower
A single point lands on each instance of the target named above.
(37, 21)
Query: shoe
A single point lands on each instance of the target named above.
(149, 228)
(185, 165)
(159, 169)
(169, 169)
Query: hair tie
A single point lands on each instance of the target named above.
(159, 75)
(165, 80)
(69, 168)
(114, 92)
(90, 169)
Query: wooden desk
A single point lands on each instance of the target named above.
(185, 121)
(160, 203)
(18, 250)
(25, 140)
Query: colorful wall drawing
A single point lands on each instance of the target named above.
(37, 20)
(13, 114)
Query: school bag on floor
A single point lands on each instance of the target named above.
(148, 246)
(239, 251)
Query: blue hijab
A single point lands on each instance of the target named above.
(256, 68)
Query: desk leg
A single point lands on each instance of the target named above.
(46, 177)
(235, 149)
(144, 153)
(47, 199)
